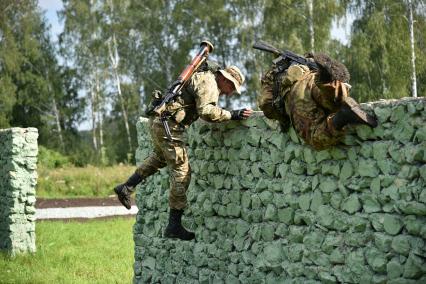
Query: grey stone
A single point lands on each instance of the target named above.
(401, 244)
(383, 242)
(328, 185)
(394, 269)
(268, 208)
(370, 203)
(18, 163)
(330, 168)
(392, 224)
(376, 260)
(270, 213)
(305, 201)
(368, 168)
(414, 267)
(286, 215)
(273, 253)
(412, 208)
(351, 204)
(383, 114)
(317, 200)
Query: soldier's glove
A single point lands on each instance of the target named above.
(156, 99)
(238, 114)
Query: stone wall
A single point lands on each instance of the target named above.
(18, 178)
(267, 209)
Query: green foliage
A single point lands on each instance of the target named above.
(379, 57)
(51, 159)
(75, 252)
(89, 181)
(34, 90)
(153, 41)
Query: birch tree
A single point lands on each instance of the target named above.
(382, 68)
(82, 45)
(32, 84)
(413, 53)
(115, 62)
(310, 6)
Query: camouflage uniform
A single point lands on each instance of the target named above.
(309, 106)
(199, 99)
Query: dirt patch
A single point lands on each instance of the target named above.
(77, 202)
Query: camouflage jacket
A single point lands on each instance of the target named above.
(199, 98)
(308, 105)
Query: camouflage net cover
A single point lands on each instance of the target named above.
(267, 209)
(18, 178)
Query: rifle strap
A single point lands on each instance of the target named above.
(279, 100)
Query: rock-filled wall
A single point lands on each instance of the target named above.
(18, 178)
(267, 209)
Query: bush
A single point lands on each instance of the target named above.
(71, 182)
(51, 159)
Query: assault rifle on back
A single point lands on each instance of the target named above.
(285, 58)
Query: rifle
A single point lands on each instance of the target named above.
(175, 88)
(285, 58)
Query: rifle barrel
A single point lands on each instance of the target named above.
(261, 45)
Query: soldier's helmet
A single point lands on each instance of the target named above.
(233, 74)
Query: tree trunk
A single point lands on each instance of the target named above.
(413, 53)
(58, 123)
(310, 5)
(115, 59)
(100, 122)
(223, 57)
(93, 109)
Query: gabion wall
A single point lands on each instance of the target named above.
(18, 178)
(268, 209)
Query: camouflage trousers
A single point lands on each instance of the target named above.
(172, 154)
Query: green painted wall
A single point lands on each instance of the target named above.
(268, 209)
(18, 178)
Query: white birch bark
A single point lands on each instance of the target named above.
(310, 4)
(99, 116)
(115, 60)
(93, 114)
(58, 123)
(413, 53)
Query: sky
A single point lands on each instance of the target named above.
(51, 7)
(340, 32)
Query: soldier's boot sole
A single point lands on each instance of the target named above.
(363, 116)
(178, 232)
(123, 195)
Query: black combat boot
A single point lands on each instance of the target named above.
(124, 190)
(351, 113)
(174, 228)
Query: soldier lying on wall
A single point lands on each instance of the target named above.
(312, 95)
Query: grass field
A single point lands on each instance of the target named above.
(75, 252)
(72, 182)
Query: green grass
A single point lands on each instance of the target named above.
(75, 252)
(73, 182)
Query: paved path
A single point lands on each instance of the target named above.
(84, 212)
(77, 210)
